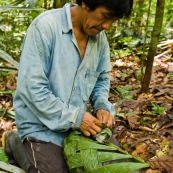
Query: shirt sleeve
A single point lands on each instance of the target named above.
(33, 84)
(100, 93)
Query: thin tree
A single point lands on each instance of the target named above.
(153, 44)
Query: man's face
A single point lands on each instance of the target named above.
(95, 21)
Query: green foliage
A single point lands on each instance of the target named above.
(167, 31)
(156, 110)
(13, 26)
(6, 72)
(8, 58)
(3, 156)
(124, 93)
(130, 114)
(8, 114)
(14, 21)
(12, 30)
(7, 78)
(132, 36)
(125, 146)
(88, 156)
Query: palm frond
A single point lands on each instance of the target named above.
(5, 56)
(85, 155)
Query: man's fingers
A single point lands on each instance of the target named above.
(106, 119)
(92, 132)
(83, 130)
(96, 128)
(109, 124)
(99, 116)
(90, 125)
(103, 115)
(98, 123)
(103, 118)
(86, 133)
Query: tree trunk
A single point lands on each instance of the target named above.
(153, 44)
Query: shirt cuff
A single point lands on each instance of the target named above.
(106, 106)
(79, 119)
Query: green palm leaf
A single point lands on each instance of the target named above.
(86, 155)
(5, 56)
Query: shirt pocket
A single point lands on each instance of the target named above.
(89, 79)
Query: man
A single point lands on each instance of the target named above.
(64, 62)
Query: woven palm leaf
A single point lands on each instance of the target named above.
(86, 155)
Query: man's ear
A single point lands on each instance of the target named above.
(84, 6)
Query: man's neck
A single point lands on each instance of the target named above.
(76, 17)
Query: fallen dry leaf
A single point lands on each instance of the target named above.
(150, 171)
(133, 121)
(6, 125)
(162, 163)
(141, 150)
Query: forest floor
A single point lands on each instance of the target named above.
(144, 122)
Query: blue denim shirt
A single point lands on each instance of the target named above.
(54, 84)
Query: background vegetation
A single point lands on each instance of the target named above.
(144, 121)
(126, 36)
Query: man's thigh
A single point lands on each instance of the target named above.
(45, 157)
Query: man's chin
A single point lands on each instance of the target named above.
(94, 33)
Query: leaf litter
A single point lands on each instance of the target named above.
(144, 122)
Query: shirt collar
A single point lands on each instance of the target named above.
(66, 18)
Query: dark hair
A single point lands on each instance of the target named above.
(119, 8)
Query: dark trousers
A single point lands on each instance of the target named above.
(45, 157)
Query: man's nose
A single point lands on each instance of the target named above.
(107, 24)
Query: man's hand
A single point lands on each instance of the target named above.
(105, 117)
(90, 125)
